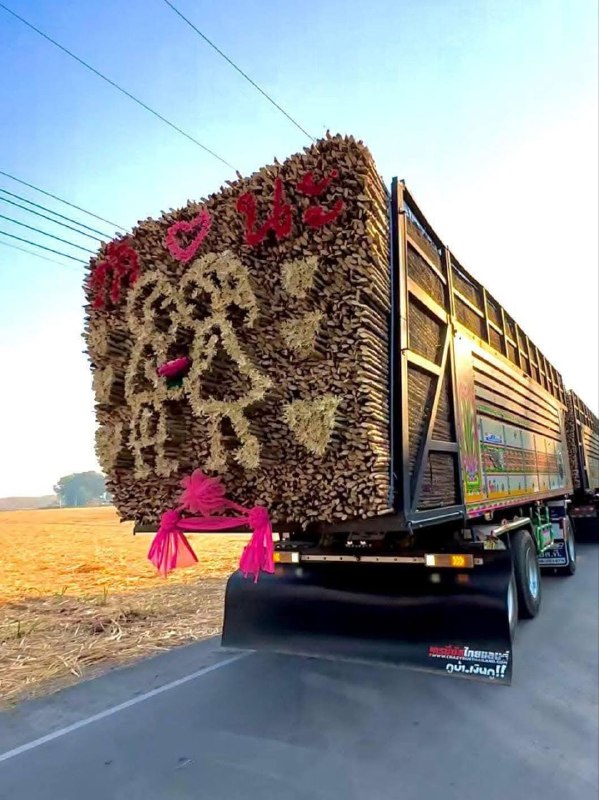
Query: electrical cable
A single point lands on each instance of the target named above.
(60, 199)
(55, 221)
(38, 255)
(239, 70)
(116, 86)
(43, 247)
(56, 214)
(45, 233)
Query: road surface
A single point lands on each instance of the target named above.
(196, 724)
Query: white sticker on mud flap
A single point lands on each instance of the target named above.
(554, 558)
(492, 672)
(467, 661)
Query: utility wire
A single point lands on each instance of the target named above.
(56, 214)
(42, 247)
(50, 235)
(55, 221)
(60, 199)
(116, 86)
(239, 70)
(37, 255)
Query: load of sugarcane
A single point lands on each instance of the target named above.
(246, 335)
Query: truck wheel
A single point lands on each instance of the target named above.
(570, 543)
(527, 574)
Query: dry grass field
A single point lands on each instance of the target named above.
(78, 596)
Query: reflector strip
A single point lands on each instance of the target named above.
(455, 560)
(281, 557)
(368, 559)
(460, 561)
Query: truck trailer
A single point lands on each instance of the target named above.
(480, 486)
(306, 335)
(583, 448)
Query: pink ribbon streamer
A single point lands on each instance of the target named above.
(170, 547)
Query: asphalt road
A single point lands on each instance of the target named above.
(262, 727)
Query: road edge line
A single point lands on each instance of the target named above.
(108, 712)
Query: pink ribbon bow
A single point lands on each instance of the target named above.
(171, 549)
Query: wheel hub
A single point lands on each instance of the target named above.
(532, 574)
(511, 605)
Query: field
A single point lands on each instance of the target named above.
(78, 596)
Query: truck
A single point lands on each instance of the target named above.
(306, 334)
(481, 482)
(583, 449)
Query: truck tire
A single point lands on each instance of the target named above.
(570, 543)
(527, 573)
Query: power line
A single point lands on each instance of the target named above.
(42, 247)
(37, 255)
(116, 86)
(56, 214)
(55, 221)
(50, 235)
(239, 70)
(60, 199)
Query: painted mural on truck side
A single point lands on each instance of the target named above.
(512, 439)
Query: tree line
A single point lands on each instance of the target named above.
(82, 489)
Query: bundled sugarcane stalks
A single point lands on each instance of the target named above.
(571, 443)
(247, 335)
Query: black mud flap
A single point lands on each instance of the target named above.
(449, 621)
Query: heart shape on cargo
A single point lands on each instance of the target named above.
(200, 225)
(312, 421)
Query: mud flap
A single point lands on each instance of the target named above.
(449, 621)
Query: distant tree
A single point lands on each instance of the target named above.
(80, 488)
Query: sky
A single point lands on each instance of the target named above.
(487, 108)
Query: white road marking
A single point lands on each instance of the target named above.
(83, 723)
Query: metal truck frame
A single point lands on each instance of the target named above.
(438, 584)
(584, 459)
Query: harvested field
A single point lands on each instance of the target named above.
(78, 596)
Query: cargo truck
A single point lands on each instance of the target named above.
(481, 481)
(306, 336)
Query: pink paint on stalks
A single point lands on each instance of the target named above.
(171, 369)
(199, 226)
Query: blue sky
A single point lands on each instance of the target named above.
(487, 108)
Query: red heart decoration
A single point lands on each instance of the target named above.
(201, 224)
